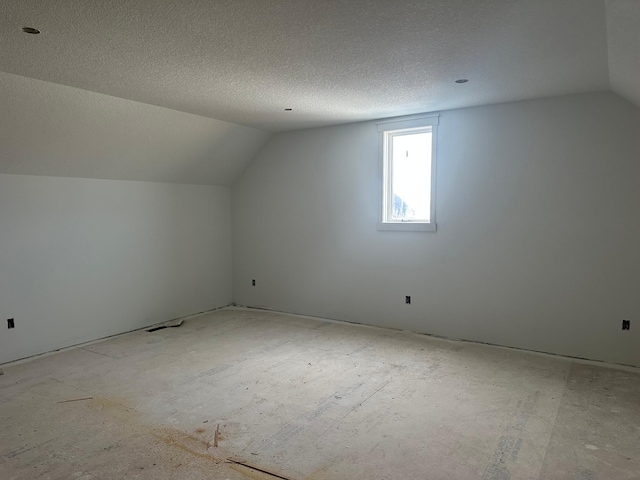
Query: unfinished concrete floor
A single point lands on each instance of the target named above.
(307, 399)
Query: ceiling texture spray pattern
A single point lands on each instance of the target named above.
(331, 62)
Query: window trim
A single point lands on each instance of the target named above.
(406, 123)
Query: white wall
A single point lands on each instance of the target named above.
(82, 259)
(538, 235)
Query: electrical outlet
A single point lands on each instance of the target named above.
(11, 323)
(253, 282)
(626, 324)
(407, 299)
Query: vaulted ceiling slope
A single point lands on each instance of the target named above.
(55, 130)
(245, 61)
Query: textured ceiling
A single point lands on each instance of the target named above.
(244, 61)
(49, 129)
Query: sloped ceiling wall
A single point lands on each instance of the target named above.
(49, 129)
(623, 32)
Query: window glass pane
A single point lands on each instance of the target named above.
(411, 177)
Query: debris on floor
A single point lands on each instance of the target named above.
(169, 324)
(216, 436)
(174, 323)
(1, 372)
(257, 469)
(76, 399)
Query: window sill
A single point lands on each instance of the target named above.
(407, 226)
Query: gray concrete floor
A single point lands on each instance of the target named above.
(308, 399)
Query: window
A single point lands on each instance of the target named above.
(408, 173)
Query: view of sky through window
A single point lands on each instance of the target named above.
(411, 177)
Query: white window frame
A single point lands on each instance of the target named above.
(400, 126)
